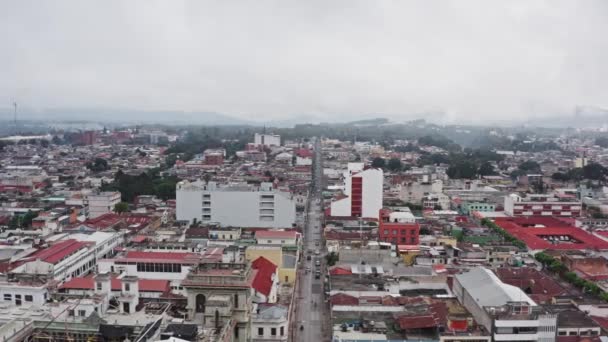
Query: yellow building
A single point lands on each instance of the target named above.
(286, 263)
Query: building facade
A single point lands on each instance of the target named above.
(102, 203)
(542, 205)
(266, 140)
(260, 206)
(363, 192)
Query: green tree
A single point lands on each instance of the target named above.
(378, 163)
(594, 171)
(462, 169)
(99, 164)
(486, 169)
(121, 207)
(601, 141)
(394, 164)
(529, 166)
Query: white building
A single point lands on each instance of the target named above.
(270, 323)
(413, 192)
(24, 294)
(267, 140)
(72, 256)
(102, 202)
(504, 310)
(235, 205)
(363, 192)
(433, 200)
(543, 205)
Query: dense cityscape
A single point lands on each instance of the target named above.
(242, 233)
(303, 171)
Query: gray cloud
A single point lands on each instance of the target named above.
(473, 60)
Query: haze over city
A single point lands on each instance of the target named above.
(449, 61)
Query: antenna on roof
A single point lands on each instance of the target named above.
(15, 116)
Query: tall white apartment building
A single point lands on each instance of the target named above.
(235, 205)
(102, 203)
(267, 140)
(363, 192)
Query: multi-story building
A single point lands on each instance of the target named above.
(266, 140)
(542, 205)
(436, 201)
(398, 228)
(235, 205)
(362, 192)
(219, 297)
(172, 266)
(469, 207)
(413, 192)
(73, 256)
(102, 202)
(270, 323)
(214, 156)
(504, 310)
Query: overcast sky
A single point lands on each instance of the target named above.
(280, 59)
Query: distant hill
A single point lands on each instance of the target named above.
(128, 116)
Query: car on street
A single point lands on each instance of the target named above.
(317, 274)
(318, 263)
(308, 257)
(317, 252)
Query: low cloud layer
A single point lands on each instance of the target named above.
(472, 60)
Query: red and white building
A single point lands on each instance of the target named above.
(171, 266)
(543, 205)
(148, 288)
(363, 193)
(266, 282)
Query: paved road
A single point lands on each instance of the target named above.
(311, 310)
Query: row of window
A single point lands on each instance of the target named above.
(404, 240)
(9, 298)
(273, 331)
(154, 267)
(396, 232)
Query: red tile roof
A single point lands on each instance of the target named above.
(340, 271)
(541, 287)
(524, 229)
(160, 257)
(145, 285)
(343, 299)
(417, 322)
(263, 280)
(58, 251)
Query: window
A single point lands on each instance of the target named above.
(17, 299)
(394, 231)
(260, 331)
(82, 313)
(98, 286)
(282, 331)
(8, 297)
(127, 287)
(29, 298)
(236, 301)
(71, 312)
(273, 331)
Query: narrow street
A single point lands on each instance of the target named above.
(312, 316)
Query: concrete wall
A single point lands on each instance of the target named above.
(236, 208)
